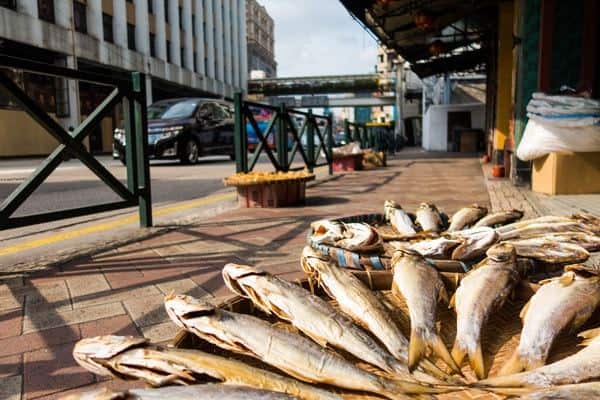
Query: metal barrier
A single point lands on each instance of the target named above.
(130, 88)
(282, 125)
(356, 132)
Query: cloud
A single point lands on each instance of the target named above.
(319, 37)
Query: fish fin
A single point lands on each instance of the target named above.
(580, 319)
(439, 348)
(515, 364)
(320, 341)
(452, 302)
(476, 362)
(458, 354)
(567, 278)
(523, 312)
(588, 336)
(443, 294)
(433, 370)
(417, 348)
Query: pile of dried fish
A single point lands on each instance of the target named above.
(255, 177)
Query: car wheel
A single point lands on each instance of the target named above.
(190, 152)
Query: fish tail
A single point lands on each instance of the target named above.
(417, 348)
(432, 370)
(516, 363)
(476, 362)
(458, 353)
(440, 349)
(393, 388)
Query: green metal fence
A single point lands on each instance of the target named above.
(130, 89)
(356, 132)
(282, 124)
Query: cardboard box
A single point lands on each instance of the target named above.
(566, 174)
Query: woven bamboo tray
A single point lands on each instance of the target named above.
(500, 334)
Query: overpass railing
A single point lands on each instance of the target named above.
(280, 133)
(130, 89)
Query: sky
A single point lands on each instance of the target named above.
(319, 37)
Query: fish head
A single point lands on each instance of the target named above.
(326, 231)
(502, 252)
(313, 263)
(90, 352)
(388, 208)
(181, 307)
(406, 253)
(233, 273)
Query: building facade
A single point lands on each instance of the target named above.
(185, 48)
(261, 40)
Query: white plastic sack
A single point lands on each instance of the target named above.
(348, 149)
(541, 138)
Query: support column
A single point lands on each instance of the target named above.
(218, 10)
(142, 35)
(175, 37)
(503, 84)
(94, 19)
(188, 40)
(227, 38)
(72, 93)
(235, 58)
(149, 99)
(160, 40)
(199, 33)
(243, 46)
(120, 23)
(63, 13)
(29, 7)
(210, 37)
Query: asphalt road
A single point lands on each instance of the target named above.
(73, 185)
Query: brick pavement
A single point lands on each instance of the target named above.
(120, 290)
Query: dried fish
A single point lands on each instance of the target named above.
(310, 314)
(550, 251)
(587, 240)
(421, 286)
(360, 237)
(579, 367)
(288, 351)
(327, 232)
(482, 291)
(500, 218)
(564, 302)
(541, 228)
(127, 357)
(195, 392)
(398, 218)
(474, 242)
(588, 390)
(550, 219)
(591, 222)
(466, 216)
(435, 248)
(429, 218)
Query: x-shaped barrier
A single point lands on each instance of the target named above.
(130, 89)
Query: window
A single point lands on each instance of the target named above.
(166, 2)
(12, 4)
(194, 68)
(46, 10)
(181, 19)
(193, 25)
(107, 27)
(181, 57)
(79, 17)
(131, 37)
(150, 6)
(152, 45)
(168, 51)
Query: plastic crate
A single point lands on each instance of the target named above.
(272, 194)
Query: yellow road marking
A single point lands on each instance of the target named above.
(60, 237)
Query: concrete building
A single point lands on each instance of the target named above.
(261, 40)
(186, 48)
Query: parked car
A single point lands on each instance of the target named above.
(185, 129)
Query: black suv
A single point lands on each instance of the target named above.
(185, 129)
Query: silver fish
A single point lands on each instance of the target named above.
(129, 357)
(475, 242)
(591, 222)
(435, 248)
(550, 251)
(195, 392)
(564, 302)
(587, 240)
(398, 218)
(421, 286)
(357, 301)
(360, 237)
(500, 218)
(429, 218)
(579, 367)
(326, 231)
(537, 229)
(466, 216)
(550, 219)
(285, 350)
(482, 291)
(588, 390)
(310, 314)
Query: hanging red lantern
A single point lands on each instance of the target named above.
(436, 48)
(423, 20)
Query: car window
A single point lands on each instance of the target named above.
(222, 112)
(182, 109)
(207, 110)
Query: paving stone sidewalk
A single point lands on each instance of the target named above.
(120, 291)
